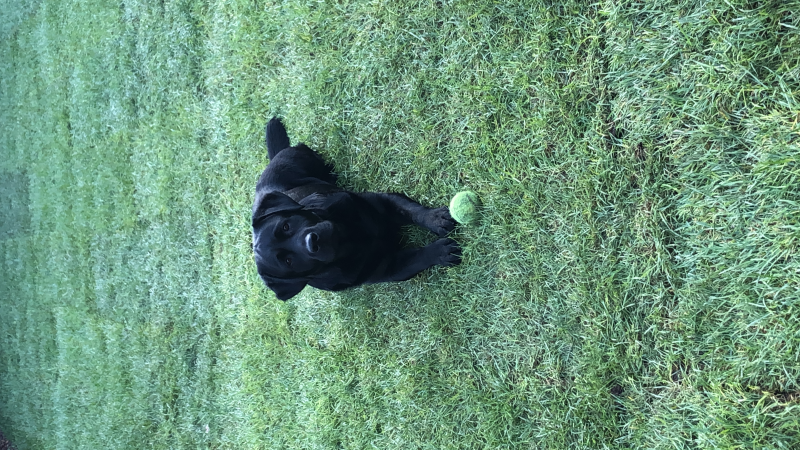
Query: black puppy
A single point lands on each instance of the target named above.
(306, 230)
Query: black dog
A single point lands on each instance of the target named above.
(306, 230)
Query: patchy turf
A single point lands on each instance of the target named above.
(5, 444)
(634, 282)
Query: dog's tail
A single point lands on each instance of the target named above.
(276, 137)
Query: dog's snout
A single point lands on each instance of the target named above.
(312, 242)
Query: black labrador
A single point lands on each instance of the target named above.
(306, 230)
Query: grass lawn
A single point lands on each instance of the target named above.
(635, 282)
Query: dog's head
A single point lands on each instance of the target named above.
(291, 244)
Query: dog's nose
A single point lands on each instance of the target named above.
(311, 243)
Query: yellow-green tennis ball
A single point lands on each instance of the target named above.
(464, 207)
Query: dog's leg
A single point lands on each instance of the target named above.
(409, 262)
(406, 211)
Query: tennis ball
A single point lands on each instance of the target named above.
(464, 207)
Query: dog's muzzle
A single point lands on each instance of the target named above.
(312, 242)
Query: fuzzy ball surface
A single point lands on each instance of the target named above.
(464, 207)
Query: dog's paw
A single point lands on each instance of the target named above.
(449, 252)
(440, 222)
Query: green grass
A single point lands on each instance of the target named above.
(635, 282)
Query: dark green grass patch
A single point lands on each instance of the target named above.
(633, 283)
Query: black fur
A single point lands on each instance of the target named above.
(308, 231)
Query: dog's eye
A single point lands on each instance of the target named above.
(286, 226)
(288, 262)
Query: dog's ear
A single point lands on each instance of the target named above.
(272, 203)
(284, 289)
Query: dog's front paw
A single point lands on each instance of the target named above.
(440, 222)
(449, 252)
